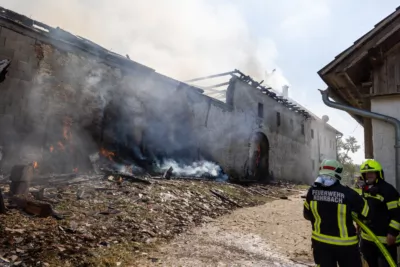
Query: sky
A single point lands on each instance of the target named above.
(188, 39)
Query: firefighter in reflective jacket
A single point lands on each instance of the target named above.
(329, 206)
(384, 219)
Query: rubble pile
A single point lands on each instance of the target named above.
(111, 220)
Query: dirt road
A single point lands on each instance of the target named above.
(274, 234)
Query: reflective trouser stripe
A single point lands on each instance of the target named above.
(381, 239)
(365, 210)
(341, 217)
(392, 205)
(306, 205)
(317, 218)
(394, 224)
(334, 240)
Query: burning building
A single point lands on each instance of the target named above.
(64, 99)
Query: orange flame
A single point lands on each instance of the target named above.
(107, 154)
(67, 128)
(35, 165)
(51, 149)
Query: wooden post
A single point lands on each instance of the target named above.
(368, 142)
(3, 209)
(21, 176)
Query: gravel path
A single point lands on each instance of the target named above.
(274, 234)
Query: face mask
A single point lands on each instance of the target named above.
(325, 180)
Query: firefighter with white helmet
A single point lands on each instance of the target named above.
(329, 206)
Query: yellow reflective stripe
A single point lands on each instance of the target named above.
(379, 197)
(392, 205)
(394, 224)
(365, 210)
(334, 240)
(358, 190)
(317, 222)
(306, 205)
(381, 239)
(341, 216)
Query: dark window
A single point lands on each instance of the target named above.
(278, 119)
(260, 110)
(312, 133)
(302, 128)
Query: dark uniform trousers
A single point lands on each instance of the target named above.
(326, 255)
(374, 256)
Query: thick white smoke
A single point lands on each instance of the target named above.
(196, 169)
(182, 39)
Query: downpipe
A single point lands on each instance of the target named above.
(368, 114)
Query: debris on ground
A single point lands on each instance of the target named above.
(274, 234)
(92, 220)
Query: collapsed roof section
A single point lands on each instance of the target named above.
(268, 91)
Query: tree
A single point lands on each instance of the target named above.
(345, 149)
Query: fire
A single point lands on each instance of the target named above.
(67, 128)
(51, 149)
(107, 154)
(35, 165)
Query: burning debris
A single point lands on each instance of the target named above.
(198, 169)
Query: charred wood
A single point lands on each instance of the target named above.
(3, 209)
(168, 173)
(32, 207)
(225, 198)
(129, 177)
(21, 177)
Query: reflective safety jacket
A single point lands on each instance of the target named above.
(384, 218)
(329, 209)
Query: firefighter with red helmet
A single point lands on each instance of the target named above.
(329, 206)
(384, 219)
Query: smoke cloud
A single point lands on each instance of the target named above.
(181, 39)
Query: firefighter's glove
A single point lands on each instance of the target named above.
(390, 240)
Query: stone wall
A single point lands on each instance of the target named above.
(286, 131)
(63, 100)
